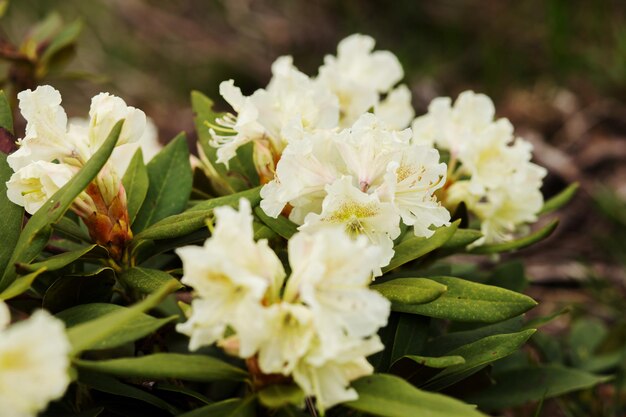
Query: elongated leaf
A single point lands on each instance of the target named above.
(91, 333)
(62, 40)
(461, 238)
(281, 225)
(20, 285)
(37, 231)
(240, 173)
(404, 334)
(479, 354)
(11, 215)
(56, 262)
(141, 326)
(145, 280)
(520, 386)
(195, 218)
(389, 396)
(560, 199)
(520, 243)
(440, 362)
(111, 385)
(234, 407)
(414, 247)
(136, 183)
(410, 290)
(70, 290)
(278, 395)
(190, 367)
(170, 184)
(69, 228)
(472, 302)
(6, 115)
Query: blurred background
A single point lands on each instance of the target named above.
(556, 68)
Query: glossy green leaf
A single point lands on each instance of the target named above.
(136, 183)
(170, 184)
(413, 247)
(71, 229)
(516, 244)
(195, 218)
(560, 199)
(65, 38)
(38, 229)
(112, 386)
(410, 290)
(70, 290)
(404, 334)
(59, 261)
(438, 362)
(520, 386)
(93, 332)
(240, 174)
(142, 326)
(479, 354)
(281, 225)
(461, 238)
(388, 396)
(11, 215)
(145, 280)
(20, 285)
(279, 395)
(235, 407)
(190, 367)
(472, 302)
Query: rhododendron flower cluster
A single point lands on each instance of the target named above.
(489, 169)
(317, 328)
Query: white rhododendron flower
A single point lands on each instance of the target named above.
(34, 363)
(366, 179)
(490, 170)
(318, 331)
(291, 101)
(358, 75)
(50, 138)
(32, 185)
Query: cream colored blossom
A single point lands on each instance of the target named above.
(358, 75)
(32, 185)
(34, 363)
(396, 110)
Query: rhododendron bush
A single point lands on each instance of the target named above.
(300, 265)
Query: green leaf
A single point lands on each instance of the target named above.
(109, 385)
(145, 280)
(413, 247)
(170, 184)
(20, 285)
(11, 215)
(62, 40)
(70, 290)
(281, 225)
(6, 115)
(240, 174)
(516, 244)
(479, 354)
(69, 228)
(280, 395)
(440, 362)
(404, 334)
(389, 396)
(471, 302)
(93, 332)
(560, 199)
(59, 261)
(38, 229)
(140, 327)
(136, 183)
(191, 367)
(410, 290)
(520, 386)
(461, 238)
(195, 218)
(234, 407)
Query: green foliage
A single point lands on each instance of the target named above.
(136, 183)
